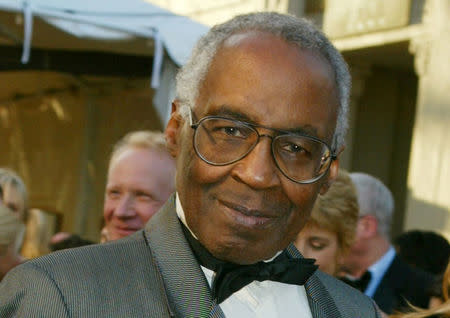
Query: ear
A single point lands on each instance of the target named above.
(173, 129)
(332, 173)
(368, 226)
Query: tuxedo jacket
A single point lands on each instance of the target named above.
(152, 273)
(401, 284)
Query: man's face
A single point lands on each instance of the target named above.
(139, 183)
(351, 263)
(247, 211)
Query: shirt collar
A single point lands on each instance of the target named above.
(180, 213)
(378, 270)
(383, 263)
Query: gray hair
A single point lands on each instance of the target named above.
(293, 30)
(141, 139)
(374, 198)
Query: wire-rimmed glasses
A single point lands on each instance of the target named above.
(221, 141)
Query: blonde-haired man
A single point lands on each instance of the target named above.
(329, 233)
(141, 176)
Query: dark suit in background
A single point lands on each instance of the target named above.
(401, 284)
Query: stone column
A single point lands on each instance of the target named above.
(428, 201)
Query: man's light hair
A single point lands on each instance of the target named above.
(337, 211)
(11, 230)
(142, 139)
(293, 30)
(374, 198)
(8, 178)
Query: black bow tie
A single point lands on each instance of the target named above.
(232, 277)
(359, 283)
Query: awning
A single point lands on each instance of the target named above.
(113, 22)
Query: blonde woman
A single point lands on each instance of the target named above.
(330, 231)
(11, 235)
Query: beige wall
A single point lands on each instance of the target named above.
(428, 204)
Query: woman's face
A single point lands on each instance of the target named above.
(321, 244)
(14, 200)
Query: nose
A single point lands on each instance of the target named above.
(258, 169)
(125, 207)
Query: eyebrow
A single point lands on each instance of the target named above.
(228, 112)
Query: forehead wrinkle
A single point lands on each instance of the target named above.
(238, 113)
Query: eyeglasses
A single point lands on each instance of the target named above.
(222, 141)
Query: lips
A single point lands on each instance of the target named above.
(247, 216)
(124, 230)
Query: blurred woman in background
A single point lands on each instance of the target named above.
(330, 230)
(11, 235)
(15, 195)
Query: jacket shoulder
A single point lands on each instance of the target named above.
(349, 301)
(101, 280)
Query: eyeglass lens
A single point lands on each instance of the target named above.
(221, 141)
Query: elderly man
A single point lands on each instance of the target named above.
(372, 264)
(256, 128)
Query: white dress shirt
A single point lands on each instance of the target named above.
(265, 299)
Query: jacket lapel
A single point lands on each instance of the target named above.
(390, 286)
(186, 287)
(320, 301)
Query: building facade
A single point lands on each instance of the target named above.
(399, 56)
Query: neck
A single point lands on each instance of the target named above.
(374, 249)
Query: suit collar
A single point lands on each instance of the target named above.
(391, 284)
(320, 301)
(186, 286)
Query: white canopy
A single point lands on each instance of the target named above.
(111, 21)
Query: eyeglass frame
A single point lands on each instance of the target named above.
(280, 132)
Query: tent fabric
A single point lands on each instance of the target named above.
(113, 20)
